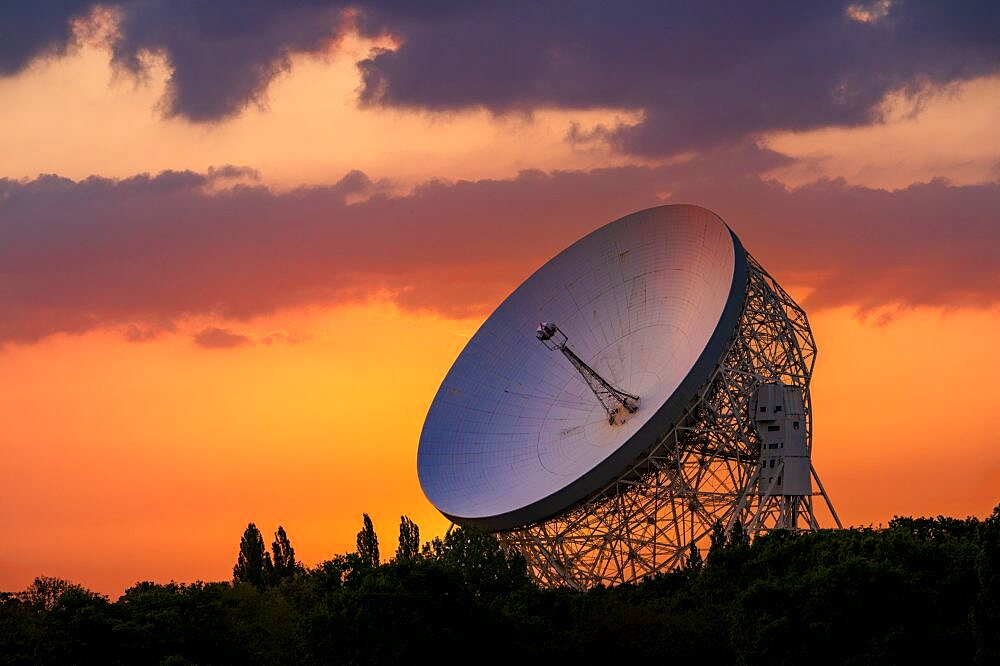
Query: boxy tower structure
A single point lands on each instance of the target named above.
(784, 477)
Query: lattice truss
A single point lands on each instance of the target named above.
(704, 470)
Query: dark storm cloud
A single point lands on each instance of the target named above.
(29, 30)
(223, 54)
(148, 251)
(703, 73)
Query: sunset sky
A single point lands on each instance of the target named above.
(241, 243)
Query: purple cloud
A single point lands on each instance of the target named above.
(220, 338)
(33, 30)
(151, 250)
(704, 74)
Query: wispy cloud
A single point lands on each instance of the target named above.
(220, 338)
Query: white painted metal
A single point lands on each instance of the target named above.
(784, 455)
(513, 425)
(664, 304)
(702, 472)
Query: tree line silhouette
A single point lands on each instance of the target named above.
(917, 591)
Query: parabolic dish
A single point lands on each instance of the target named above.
(650, 302)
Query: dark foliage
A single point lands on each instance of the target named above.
(919, 591)
(283, 556)
(253, 564)
(368, 543)
(409, 539)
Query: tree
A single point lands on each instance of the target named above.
(483, 564)
(693, 562)
(45, 591)
(433, 549)
(719, 540)
(409, 539)
(284, 555)
(986, 611)
(253, 564)
(368, 543)
(738, 536)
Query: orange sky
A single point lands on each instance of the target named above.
(144, 461)
(127, 461)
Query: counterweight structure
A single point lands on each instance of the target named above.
(714, 465)
(784, 479)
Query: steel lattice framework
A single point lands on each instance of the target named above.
(702, 471)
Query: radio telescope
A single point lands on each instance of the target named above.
(649, 381)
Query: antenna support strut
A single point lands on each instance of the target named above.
(616, 402)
